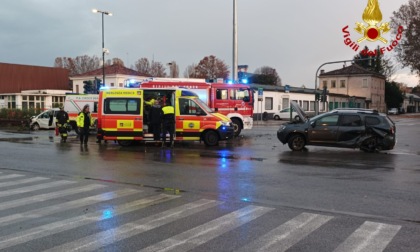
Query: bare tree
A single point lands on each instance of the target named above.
(267, 75)
(157, 69)
(142, 65)
(406, 26)
(78, 65)
(211, 67)
(190, 71)
(117, 61)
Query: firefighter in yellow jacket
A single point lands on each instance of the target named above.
(84, 121)
(168, 123)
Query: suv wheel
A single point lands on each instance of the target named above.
(296, 142)
(369, 145)
(276, 117)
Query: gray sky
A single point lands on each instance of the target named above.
(295, 37)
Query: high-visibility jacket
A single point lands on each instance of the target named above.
(81, 120)
(151, 102)
(168, 114)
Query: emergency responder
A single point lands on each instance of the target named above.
(61, 122)
(168, 123)
(155, 120)
(84, 121)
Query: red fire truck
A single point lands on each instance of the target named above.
(233, 100)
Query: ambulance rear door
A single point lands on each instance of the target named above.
(122, 117)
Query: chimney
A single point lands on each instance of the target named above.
(322, 71)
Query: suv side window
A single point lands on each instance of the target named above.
(350, 120)
(331, 120)
(370, 120)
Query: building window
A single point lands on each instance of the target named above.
(342, 83)
(11, 104)
(112, 84)
(324, 83)
(268, 103)
(364, 85)
(333, 84)
(121, 85)
(77, 88)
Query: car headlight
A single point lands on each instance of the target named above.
(282, 127)
(225, 123)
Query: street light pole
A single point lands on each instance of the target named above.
(235, 44)
(103, 41)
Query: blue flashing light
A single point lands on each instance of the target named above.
(223, 128)
(132, 81)
(244, 81)
(107, 214)
(230, 82)
(245, 199)
(103, 88)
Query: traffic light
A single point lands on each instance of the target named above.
(98, 85)
(324, 94)
(316, 96)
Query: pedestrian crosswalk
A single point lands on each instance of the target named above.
(47, 214)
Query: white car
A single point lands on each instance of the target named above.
(42, 120)
(284, 114)
(393, 111)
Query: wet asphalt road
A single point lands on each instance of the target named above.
(254, 169)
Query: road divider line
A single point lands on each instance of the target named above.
(98, 240)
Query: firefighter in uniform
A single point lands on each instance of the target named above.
(62, 120)
(168, 123)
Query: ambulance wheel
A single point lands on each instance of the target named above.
(237, 126)
(211, 138)
(125, 142)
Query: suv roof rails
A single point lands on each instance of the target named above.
(356, 110)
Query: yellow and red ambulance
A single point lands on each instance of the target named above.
(122, 116)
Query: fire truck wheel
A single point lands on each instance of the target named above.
(211, 138)
(237, 126)
(125, 142)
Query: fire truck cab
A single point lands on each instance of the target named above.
(232, 100)
(122, 116)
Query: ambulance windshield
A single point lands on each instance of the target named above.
(203, 105)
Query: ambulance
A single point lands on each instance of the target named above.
(74, 104)
(122, 116)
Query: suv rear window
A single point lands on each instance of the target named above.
(370, 120)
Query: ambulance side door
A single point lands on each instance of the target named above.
(188, 123)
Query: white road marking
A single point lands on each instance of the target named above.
(96, 241)
(195, 237)
(371, 236)
(288, 234)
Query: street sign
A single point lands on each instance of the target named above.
(260, 94)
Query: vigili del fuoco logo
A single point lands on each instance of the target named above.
(372, 30)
